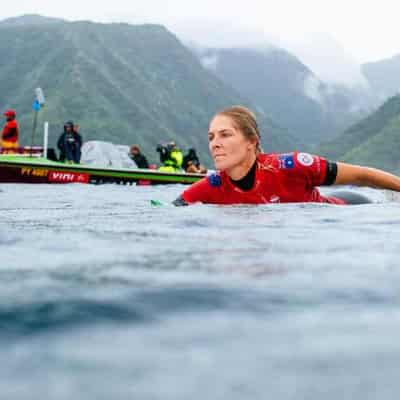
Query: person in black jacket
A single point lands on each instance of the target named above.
(136, 155)
(191, 163)
(69, 144)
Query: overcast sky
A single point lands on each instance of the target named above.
(367, 30)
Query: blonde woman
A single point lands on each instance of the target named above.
(248, 176)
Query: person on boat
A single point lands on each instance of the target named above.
(171, 157)
(136, 155)
(191, 163)
(69, 144)
(246, 175)
(77, 128)
(10, 133)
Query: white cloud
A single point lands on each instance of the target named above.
(209, 61)
(326, 58)
(312, 88)
(367, 30)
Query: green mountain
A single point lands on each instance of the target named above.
(30, 19)
(374, 141)
(287, 90)
(122, 83)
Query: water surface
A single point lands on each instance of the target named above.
(105, 297)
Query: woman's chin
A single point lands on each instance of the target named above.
(220, 165)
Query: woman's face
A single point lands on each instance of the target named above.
(228, 146)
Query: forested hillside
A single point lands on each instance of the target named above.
(374, 141)
(287, 90)
(122, 83)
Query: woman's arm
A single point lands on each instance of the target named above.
(348, 174)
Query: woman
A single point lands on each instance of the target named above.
(247, 176)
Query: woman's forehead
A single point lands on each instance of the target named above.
(221, 122)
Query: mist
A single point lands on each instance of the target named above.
(320, 52)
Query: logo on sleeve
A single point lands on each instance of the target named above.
(286, 161)
(214, 180)
(305, 159)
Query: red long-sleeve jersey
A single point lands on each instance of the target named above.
(279, 178)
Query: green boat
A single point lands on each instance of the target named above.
(32, 168)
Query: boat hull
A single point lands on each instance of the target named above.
(36, 170)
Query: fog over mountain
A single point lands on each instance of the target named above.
(384, 76)
(150, 76)
(220, 34)
(320, 52)
(326, 58)
(279, 83)
(123, 83)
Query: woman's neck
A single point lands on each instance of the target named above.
(240, 171)
(247, 182)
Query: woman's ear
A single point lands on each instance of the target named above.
(252, 144)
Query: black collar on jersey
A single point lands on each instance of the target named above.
(247, 182)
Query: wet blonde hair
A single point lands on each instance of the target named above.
(244, 120)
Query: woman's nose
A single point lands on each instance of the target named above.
(215, 143)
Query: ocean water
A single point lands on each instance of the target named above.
(103, 296)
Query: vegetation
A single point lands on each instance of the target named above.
(122, 83)
(138, 84)
(374, 141)
(287, 90)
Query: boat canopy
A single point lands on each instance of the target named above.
(106, 154)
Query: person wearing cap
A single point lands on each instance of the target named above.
(69, 144)
(10, 133)
(136, 155)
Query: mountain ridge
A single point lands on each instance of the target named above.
(122, 83)
(287, 90)
(373, 141)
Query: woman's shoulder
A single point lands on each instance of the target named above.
(288, 161)
(203, 190)
(268, 160)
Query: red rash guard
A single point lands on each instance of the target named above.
(279, 178)
(10, 131)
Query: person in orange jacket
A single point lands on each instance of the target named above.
(9, 136)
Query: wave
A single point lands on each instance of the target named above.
(151, 306)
